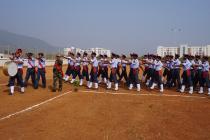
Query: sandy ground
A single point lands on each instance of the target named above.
(102, 114)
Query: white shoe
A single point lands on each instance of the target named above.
(201, 90)
(105, 81)
(130, 87)
(109, 85)
(90, 85)
(72, 81)
(153, 86)
(67, 78)
(182, 89)
(22, 89)
(209, 91)
(191, 90)
(161, 88)
(12, 88)
(147, 83)
(96, 85)
(138, 87)
(81, 82)
(116, 87)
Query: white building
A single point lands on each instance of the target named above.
(98, 51)
(184, 49)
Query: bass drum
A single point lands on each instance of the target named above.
(10, 68)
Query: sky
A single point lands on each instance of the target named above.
(124, 26)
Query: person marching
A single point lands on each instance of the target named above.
(105, 70)
(100, 64)
(187, 81)
(134, 72)
(205, 75)
(118, 66)
(124, 71)
(113, 74)
(30, 70)
(146, 67)
(157, 74)
(57, 73)
(198, 71)
(150, 69)
(85, 71)
(70, 68)
(41, 72)
(19, 76)
(77, 69)
(176, 72)
(94, 71)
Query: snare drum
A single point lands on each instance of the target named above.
(10, 68)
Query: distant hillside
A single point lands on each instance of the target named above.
(20, 41)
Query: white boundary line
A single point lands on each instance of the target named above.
(140, 94)
(34, 106)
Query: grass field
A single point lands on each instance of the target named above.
(102, 114)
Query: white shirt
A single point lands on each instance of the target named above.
(198, 62)
(158, 65)
(124, 62)
(94, 62)
(20, 66)
(176, 64)
(186, 64)
(41, 63)
(31, 63)
(205, 66)
(114, 63)
(135, 63)
(77, 61)
(85, 63)
(105, 64)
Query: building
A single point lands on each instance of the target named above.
(183, 49)
(98, 51)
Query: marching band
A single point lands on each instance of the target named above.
(188, 73)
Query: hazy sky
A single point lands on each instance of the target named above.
(120, 25)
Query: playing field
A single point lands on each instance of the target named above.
(101, 114)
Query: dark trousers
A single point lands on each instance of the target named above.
(205, 79)
(19, 77)
(41, 73)
(105, 72)
(94, 75)
(113, 76)
(69, 70)
(77, 72)
(134, 77)
(30, 73)
(157, 77)
(123, 74)
(198, 77)
(176, 77)
(85, 74)
(187, 81)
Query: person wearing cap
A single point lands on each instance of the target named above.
(146, 67)
(85, 71)
(70, 68)
(157, 74)
(186, 75)
(123, 74)
(94, 71)
(77, 69)
(197, 71)
(205, 75)
(134, 73)
(30, 70)
(57, 74)
(19, 76)
(192, 69)
(41, 72)
(118, 66)
(113, 74)
(176, 72)
(105, 69)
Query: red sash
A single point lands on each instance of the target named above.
(85, 68)
(94, 69)
(59, 69)
(20, 70)
(159, 72)
(205, 74)
(188, 72)
(135, 71)
(113, 70)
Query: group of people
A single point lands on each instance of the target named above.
(191, 73)
(33, 71)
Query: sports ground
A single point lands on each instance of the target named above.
(102, 114)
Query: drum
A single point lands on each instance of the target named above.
(10, 68)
